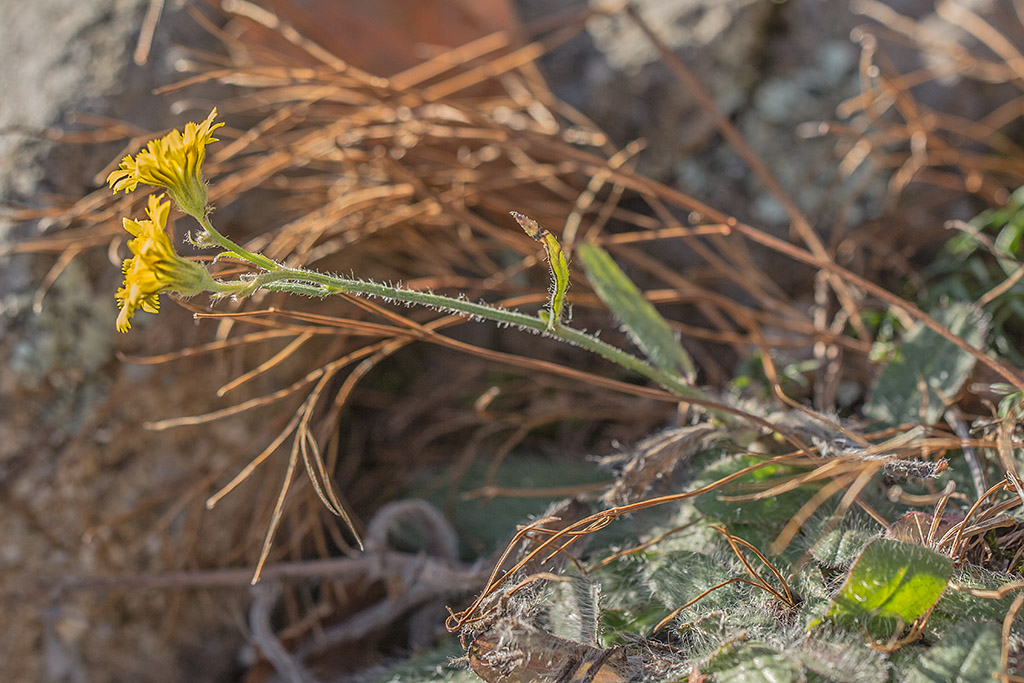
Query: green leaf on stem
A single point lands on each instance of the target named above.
(645, 326)
(559, 267)
(753, 662)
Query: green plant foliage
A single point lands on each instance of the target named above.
(628, 608)
(850, 589)
(722, 608)
(838, 656)
(772, 511)
(429, 666)
(979, 259)
(485, 525)
(645, 326)
(1011, 405)
(678, 577)
(958, 606)
(889, 586)
(753, 663)
(750, 378)
(623, 625)
(840, 547)
(927, 358)
(969, 652)
(812, 590)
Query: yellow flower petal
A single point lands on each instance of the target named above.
(154, 267)
(175, 162)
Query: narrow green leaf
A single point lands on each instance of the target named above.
(928, 359)
(559, 268)
(969, 652)
(639, 318)
(889, 586)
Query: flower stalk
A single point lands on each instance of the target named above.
(312, 283)
(175, 162)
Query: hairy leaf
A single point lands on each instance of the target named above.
(645, 326)
(840, 656)
(723, 608)
(840, 547)
(969, 652)
(753, 663)
(956, 607)
(771, 511)
(929, 360)
(889, 586)
(678, 577)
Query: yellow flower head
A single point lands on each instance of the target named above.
(175, 162)
(154, 266)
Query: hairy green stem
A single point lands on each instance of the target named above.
(311, 283)
(237, 250)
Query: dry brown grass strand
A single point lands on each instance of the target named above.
(785, 596)
(918, 143)
(734, 542)
(558, 540)
(798, 220)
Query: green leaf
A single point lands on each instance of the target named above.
(889, 586)
(639, 318)
(809, 584)
(926, 357)
(753, 663)
(678, 577)
(957, 607)
(772, 511)
(840, 547)
(559, 267)
(622, 626)
(969, 652)
(834, 656)
(628, 609)
(485, 524)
